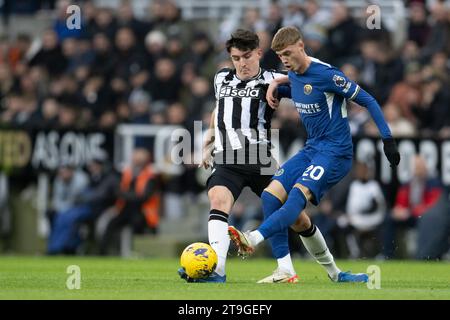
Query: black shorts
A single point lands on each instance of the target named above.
(237, 177)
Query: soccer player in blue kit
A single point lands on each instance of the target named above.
(320, 93)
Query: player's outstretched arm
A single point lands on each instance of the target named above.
(337, 82)
(271, 94)
(390, 147)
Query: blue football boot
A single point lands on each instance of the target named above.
(352, 277)
(213, 278)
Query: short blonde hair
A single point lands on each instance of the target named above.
(284, 37)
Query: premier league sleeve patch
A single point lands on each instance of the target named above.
(339, 81)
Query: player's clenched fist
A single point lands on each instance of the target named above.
(271, 95)
(391, 151)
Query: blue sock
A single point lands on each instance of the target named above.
(278, 241)
(285, 216)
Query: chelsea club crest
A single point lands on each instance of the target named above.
(307, 88)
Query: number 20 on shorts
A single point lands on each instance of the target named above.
(314, 172)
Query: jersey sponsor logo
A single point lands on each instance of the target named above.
(339, 81)
(307, 89)
(307, 108)
(239, 93)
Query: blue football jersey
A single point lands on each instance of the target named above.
(320, 95)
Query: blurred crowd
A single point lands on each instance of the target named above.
(119, 69)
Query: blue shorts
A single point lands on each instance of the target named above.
(318, 170)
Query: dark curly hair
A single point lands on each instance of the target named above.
(243, 40)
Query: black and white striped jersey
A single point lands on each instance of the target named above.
(243, 117)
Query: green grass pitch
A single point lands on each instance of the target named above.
(114, 278)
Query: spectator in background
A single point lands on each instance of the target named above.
(104, 22)
(388, 71)
(274, 18)
(252, 20)
(439, 37)
(380, 34)
(294, 15)
(317, 20)
(201, 55)
(343, 34)
(269, 60)
(439, 66)
(126, 18)
(434, 112)
(88, 204)
(155, 48)
(60, 24)
(129, 60)
(400, 126)
(366, 62)
(77, 53)
(69, 184)
(50, 56)
(410, 53)
(19, 51)
(315, 44)
(418, 26)
(103, 61)
(95, 98)
(68, 117)
(139, 104)
(137, 204)
(200, 97)
(49, 114)
(170, 22)
(20, 110)
(413, 200)
(176, 51)
(407, 94)
(90, 11)
(365, 211)
(161, 85)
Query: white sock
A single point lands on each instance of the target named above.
(219, 240)
(256, 238)
(317, 247)
(285, 263)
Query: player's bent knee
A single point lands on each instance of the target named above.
(276, 189)
(220, 198)
(305, 190)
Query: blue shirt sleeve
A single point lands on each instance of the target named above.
(366, 100)
(339, 84)
(284, 91)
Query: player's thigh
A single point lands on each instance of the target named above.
(290, 172)
(224, 187)
(324, 171)
(258, 182)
